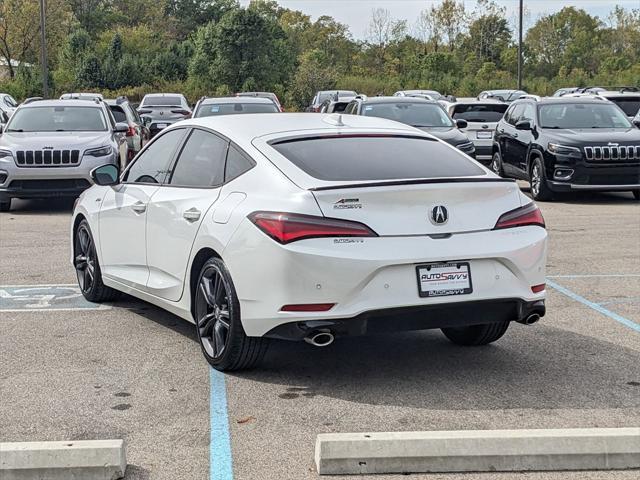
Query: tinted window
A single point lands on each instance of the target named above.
(118, 114)
(237, 164)
(201, 162)
(487, 112)
(58, 119)
(162, 101)
(629, 105)
(416, 114)
(514, 114)
(152, 166)
(213, 109)
(352, 158)
(528, 113)
(582, 115)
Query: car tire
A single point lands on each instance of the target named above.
(538, 180)
(5, 205)
(222, 338)
(496, 164)
(475, 335)
(88, 273)
(636, 194)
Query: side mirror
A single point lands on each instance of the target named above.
(106, 175)
(636, 122)
(460, 123)
(523, 125)
(121, 127)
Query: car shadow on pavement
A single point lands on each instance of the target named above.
(588, 198)
(539, 367)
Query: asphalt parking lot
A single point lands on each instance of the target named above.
(69, 370)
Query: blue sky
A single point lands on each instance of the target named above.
(356, 13)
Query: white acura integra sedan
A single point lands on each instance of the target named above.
(308, 226)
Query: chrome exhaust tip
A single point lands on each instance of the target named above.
(320, 338)
(530, 320)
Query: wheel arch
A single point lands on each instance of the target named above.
(199, 260)
(534, 153)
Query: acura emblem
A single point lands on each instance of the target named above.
(439, 215)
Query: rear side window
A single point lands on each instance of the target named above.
(237, 164)
(201, 162)
(483, 113)
(358, 157)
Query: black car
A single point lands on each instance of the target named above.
(427, 115)
(563, 144)
(159, 110)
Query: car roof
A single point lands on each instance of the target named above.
(426, 92)
(564, 99)
(618, 93)
(259, 100)
(249, 126)
(62, 103)
(475, 101)
(164, 95)
(389, 99)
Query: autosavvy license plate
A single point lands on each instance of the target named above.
(443, 279)
(484, 134)
(161, 125)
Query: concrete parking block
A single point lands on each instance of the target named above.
(478, 451)
(72, 460)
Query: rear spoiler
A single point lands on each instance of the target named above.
(420, 181)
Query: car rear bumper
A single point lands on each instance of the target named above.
(366, 275)
(425, 317)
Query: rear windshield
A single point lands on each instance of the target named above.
(166, 101)
(629, 105)
(375, 158)
(419, 114)
(488, 112)
(213, 109)
(57, 119)
(118, 114)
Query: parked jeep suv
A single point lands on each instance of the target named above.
(563, 144)
(49, 147)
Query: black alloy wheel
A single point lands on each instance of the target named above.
(223, 340)
(87, 267)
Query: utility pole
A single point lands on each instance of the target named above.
(520, 46)
(45, 68)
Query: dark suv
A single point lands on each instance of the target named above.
(562, 144)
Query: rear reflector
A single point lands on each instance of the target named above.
(528, 215)
(308, 307)
(290, 227)
(538, 288)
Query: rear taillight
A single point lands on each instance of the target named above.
(132, 131)
(530, 214)
(539, 288)
(290, 227)
(186, 113)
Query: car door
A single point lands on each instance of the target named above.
(123, 214)
(521, 141)
(179, 207)
(508, 133)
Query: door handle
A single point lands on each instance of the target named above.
(139, 207)
(515, 135)
(191, 215)
(501, 130)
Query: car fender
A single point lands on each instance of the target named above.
(534, 150)
(88, 206)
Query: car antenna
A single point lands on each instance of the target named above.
(334, 119)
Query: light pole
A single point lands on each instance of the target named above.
(45, 69)
(520, 46)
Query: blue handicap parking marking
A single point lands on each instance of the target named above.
(31, 298)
